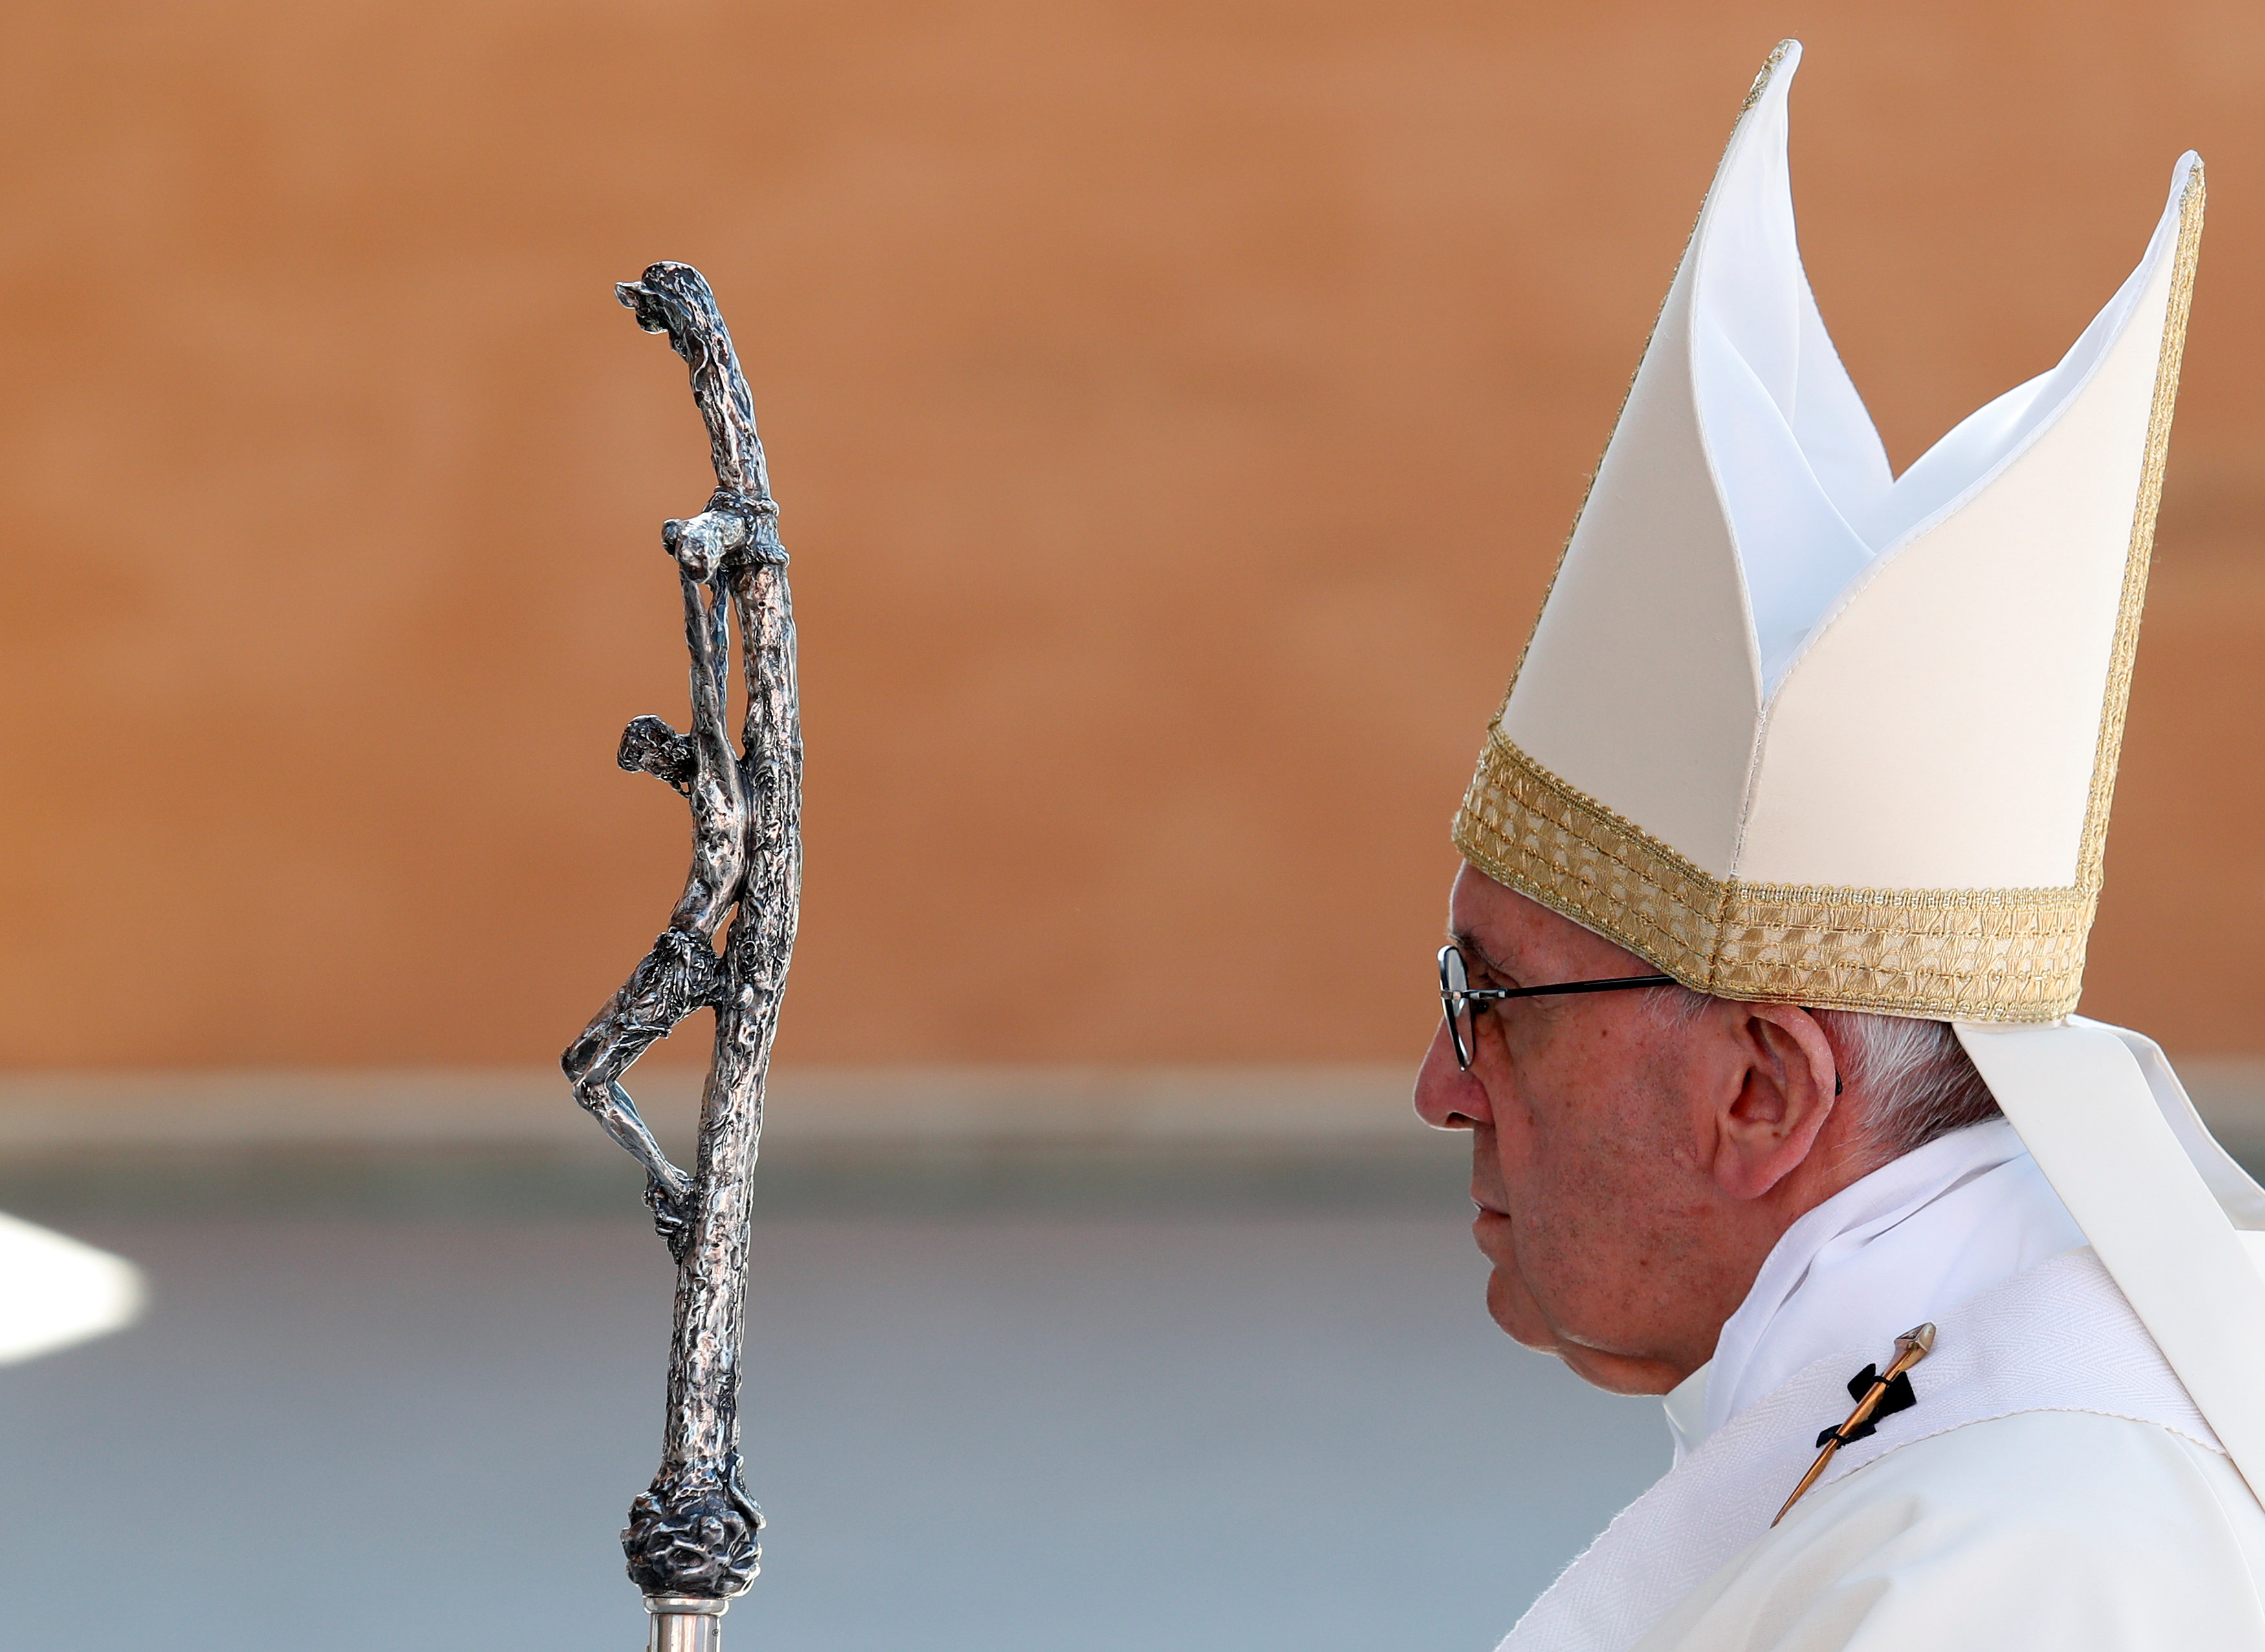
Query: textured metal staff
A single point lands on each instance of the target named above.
(692, 1536)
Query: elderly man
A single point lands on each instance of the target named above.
(1780, 857)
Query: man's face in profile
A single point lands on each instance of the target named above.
(1634, 1154)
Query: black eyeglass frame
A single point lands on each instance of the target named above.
(1459, 999)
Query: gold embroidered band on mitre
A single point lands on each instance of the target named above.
(2001, 955)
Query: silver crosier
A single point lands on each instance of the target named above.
(692, 1536)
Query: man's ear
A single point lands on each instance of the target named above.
(1768, 1128)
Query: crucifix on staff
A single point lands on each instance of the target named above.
(692, 1540)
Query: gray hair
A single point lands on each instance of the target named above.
(1913, 1079)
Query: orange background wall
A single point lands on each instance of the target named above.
(1176, 409)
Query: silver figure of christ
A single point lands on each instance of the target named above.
(692, 1540)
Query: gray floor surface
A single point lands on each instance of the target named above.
(1256, 1420)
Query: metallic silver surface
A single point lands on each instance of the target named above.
(682, 1623)
(693, 1533)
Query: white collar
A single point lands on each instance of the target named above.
(1685, 1404)
(1914, 1239)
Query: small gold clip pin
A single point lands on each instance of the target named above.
(1911, 1347)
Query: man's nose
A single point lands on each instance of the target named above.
(1447, 1097)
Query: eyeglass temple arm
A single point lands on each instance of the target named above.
(1495, 994)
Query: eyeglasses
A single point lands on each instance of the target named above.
(1460, 1000)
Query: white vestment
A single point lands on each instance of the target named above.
(2053, 1485)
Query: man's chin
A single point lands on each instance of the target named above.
(1514, 1309)
(1616, 1373)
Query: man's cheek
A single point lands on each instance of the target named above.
(1511, 1306)
(1555, 1255)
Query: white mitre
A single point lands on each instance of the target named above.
(1792, 728)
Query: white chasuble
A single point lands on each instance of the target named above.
(2054, 1486)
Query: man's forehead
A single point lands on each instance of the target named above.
(1502, 927)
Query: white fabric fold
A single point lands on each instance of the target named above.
(2057, 1337)
(2110, 1134)
(1921, 1234)
(1804, 479)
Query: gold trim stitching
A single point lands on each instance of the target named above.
(1770, 66)
(1762, 80)
(2092, 855)
(1997, 954)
